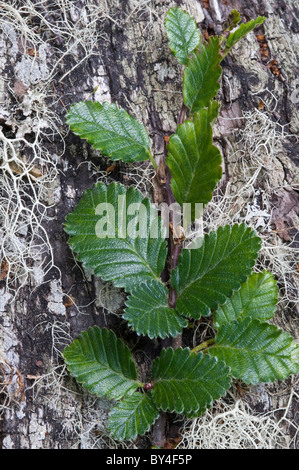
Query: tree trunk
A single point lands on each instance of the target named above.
(55, 53)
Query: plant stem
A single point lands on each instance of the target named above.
(159, 428)
(158, 436)
(153, 161)
(203, 345)
(182, 114)
(176, 248)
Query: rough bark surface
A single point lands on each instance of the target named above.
(129, 62)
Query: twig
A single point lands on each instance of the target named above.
(175, 247)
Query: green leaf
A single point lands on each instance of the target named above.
(182, 32)
(201, 76)
(186, 382)
(256, 351)
(118, 234)
(232, 21)
(205, 277)
(110, 129)
(132, 416)
(241, 32)
(193, 160)
(256, 298)
(102, 363)
(148, 313)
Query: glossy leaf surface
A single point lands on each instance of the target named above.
(256, 298)
(132, 416)
(193, 160)
(205, 277)
(241, 32)
(186, 382)
(256, 351)
(117, 233)
(182, 32)
(148, 313)
(102, 363)
(110, 129)
(201, 77)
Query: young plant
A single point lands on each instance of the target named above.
(120, 235)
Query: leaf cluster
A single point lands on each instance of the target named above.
(129, 248)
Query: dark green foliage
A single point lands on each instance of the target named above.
(256, 351)
(186, 382)
(102, 363)
(183, 34)
(128, 247)
(132, 416)
(111, 130)
(205, 277)
(109, 242)
(201, 77)
(194, 162)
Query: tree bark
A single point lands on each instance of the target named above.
(128, 61)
